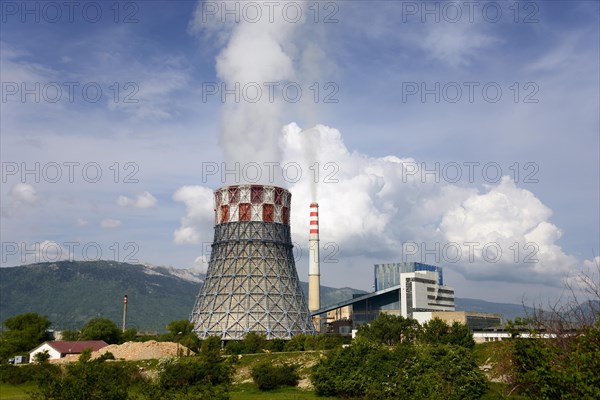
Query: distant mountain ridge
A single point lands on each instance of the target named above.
(72, 292)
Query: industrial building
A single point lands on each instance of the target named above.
(251, 284)
(410, 289)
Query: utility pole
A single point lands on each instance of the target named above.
(124, 312)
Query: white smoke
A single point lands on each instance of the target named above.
(260, 58)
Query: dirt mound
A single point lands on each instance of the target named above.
(136, 351)
(143, 350)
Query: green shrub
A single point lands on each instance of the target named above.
(89, 380)
(276, 345)
(17, 375)
(269, 377)
(205, 376)
(296, 343)
(368, 370)
(565, 368)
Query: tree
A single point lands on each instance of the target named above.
(371, 371)
(461, 335)
(180, 327)
(70, 335)
(390, 329)
(564, 359)
(26, 331)
(101, 329)
(41, 357)
(90, 380)
(435, 331)
(268, 376)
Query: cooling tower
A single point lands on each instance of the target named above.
(251, 284)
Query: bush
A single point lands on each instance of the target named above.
(16, 375)
(101, 329)
(276, 345)
(296, 343)
(369, 370)
(390, 329)
(269, 377)
(89, 380)
(205, 376)
(547, 368)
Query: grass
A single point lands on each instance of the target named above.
(249, 391)
(14, 392)
(245, 363)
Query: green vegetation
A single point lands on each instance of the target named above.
(101, 329)
(391, 330)
(267, 376)
(368, 370)
(258, 343)
(88, 380)
(248, 391)
(25, 332)
(563, 367)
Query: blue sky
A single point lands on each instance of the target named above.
(162, 54)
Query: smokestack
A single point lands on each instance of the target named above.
(124, 313)
(314, 274)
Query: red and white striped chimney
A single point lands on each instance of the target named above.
(314, 274)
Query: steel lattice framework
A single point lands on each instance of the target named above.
(251, 284)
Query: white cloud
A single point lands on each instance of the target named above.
(371, 208)
(20, 197)
(199, 215)
(456, 44)
(110, 223)
(141, 200)
(24, 194)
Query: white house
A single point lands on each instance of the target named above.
(60, 348)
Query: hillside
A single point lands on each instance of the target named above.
(72, 292)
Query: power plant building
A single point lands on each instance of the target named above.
(401, 289)
(251, 284)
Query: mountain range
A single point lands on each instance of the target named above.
(72, 292)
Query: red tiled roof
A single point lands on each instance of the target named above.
(67, 347)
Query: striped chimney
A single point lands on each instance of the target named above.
(314, 274)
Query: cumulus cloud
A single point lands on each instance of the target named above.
(20, 197)
(373, 208)
(199, 215)
(23, 194)
(141, 200)
(110, 223)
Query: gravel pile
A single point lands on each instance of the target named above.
(135, 351)
(142, 350)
